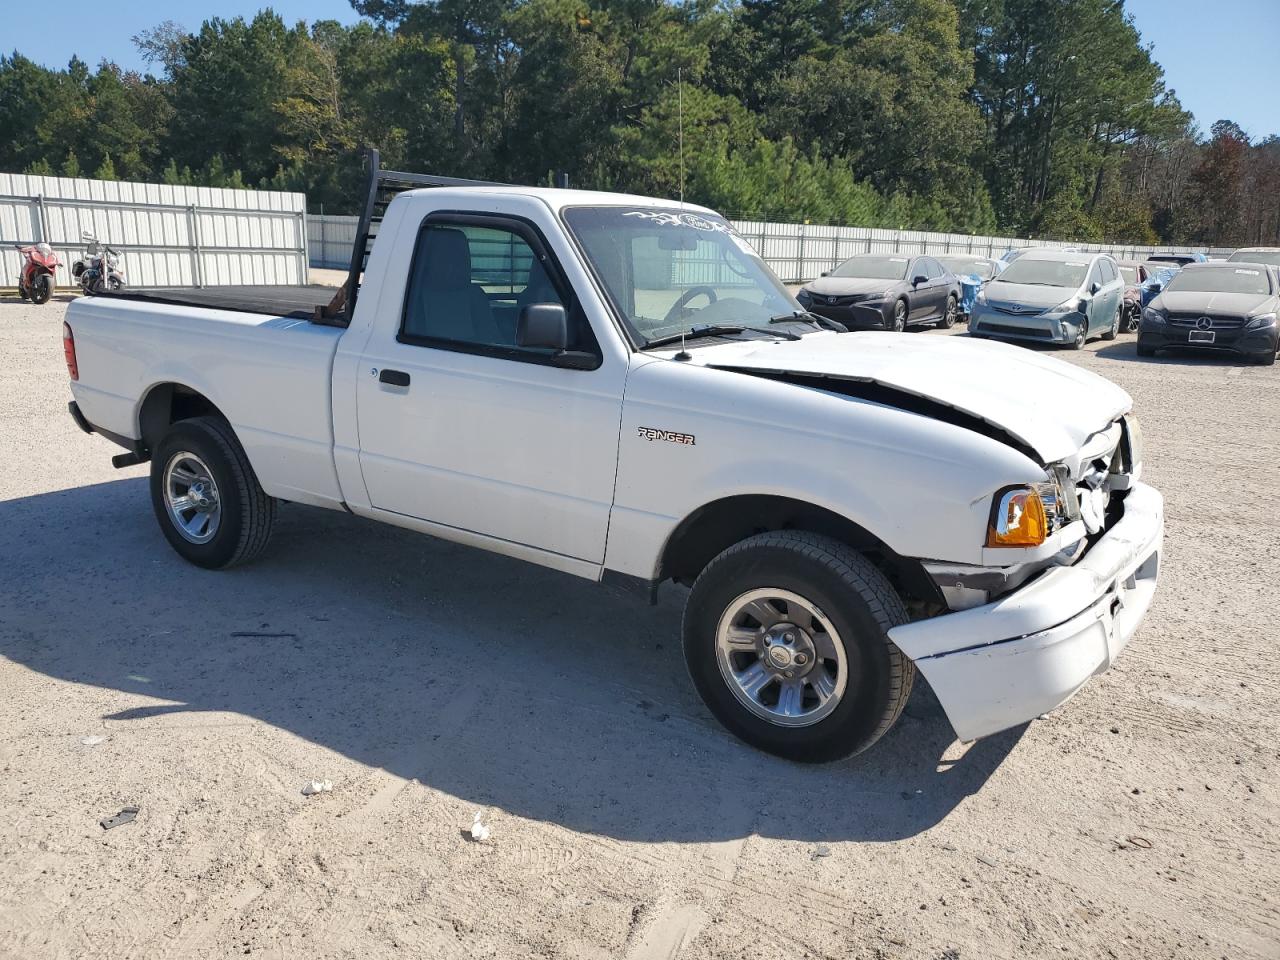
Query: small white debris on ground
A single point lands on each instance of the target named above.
(479, 832)
(317, 786)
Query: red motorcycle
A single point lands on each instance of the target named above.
(38, 264)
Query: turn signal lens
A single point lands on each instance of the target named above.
(1019, 519)
(69, 351)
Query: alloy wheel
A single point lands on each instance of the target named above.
(191, 497)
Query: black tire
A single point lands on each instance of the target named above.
(860, 604)
(1145, 351)
(898, 320)
(246, 512)
(948, 319)
(42, 289)
(22, 292)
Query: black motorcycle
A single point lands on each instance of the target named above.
(98, 271)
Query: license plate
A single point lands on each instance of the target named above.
(1201, 336)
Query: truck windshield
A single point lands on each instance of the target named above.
(668, 270)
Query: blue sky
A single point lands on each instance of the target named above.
(1221, 56)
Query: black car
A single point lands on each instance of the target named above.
(1216, 306)
(885, 291)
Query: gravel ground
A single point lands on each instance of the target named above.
(430, 681)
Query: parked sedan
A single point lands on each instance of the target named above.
(1267, 255)
(1052, 296)
(973, 272)
(1216, 306)
(881, 291)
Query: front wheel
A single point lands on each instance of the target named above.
(1082, 335)
(207, 498)
(898, 322)
(786, 639)
(42, 289)
(949, 314)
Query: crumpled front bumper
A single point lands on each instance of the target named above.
(1007, 662)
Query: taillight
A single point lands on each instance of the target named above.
(69, 351)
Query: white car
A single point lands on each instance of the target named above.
(618, 388)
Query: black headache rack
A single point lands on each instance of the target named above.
(384, 186)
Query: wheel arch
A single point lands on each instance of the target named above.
(167, 402)
(718, 525)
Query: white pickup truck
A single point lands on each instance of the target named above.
(619, 388)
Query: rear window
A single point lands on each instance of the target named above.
(873, 268)
(1130, 274)
(1221, 280)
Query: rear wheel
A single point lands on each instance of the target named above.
(206, 497)
(786, 639)
(1111, 331)
(949, 313)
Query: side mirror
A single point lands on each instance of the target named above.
(1095, 287)
(1156, 287)
(919, 279)
(544, 325)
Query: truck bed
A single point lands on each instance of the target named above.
(283, 300)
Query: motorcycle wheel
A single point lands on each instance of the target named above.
(115, 284)
(22, 292)
(42, 289)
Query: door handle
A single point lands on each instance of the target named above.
(397, 378)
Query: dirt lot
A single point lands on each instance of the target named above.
(430, 681)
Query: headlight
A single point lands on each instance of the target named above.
(1133, 435)
(1262, 322)
(1153, 316)
(1060, 311)
(803, 298)
(1025, 516)
(981, 297)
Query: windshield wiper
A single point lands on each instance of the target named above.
(717, 330)
(805, 316)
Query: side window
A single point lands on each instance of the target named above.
(936, 270)
(1095, 275)
(468, 284)
(1108, 271)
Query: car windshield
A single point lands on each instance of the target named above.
(874, 267)
(963, 266)
(1045, 273)
(1221, 280)
(1130, 274)
(668, 270)
(1271, 257)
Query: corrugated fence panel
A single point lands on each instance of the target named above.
(168, 235)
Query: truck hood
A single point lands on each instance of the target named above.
(1048, 406)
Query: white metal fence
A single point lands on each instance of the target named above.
(795, 251)
(168, 235)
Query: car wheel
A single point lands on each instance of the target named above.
(206, 497)
(786, 639)
(898, 322)
(1082, 335)
(949, 313)
(1111, 331)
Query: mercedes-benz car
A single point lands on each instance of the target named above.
(1052, 296)
(885, 291)
(1227, 306)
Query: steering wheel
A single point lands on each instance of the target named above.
(684, 299)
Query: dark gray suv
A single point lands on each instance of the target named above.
(885, 291)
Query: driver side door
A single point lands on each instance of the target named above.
(460, 426)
